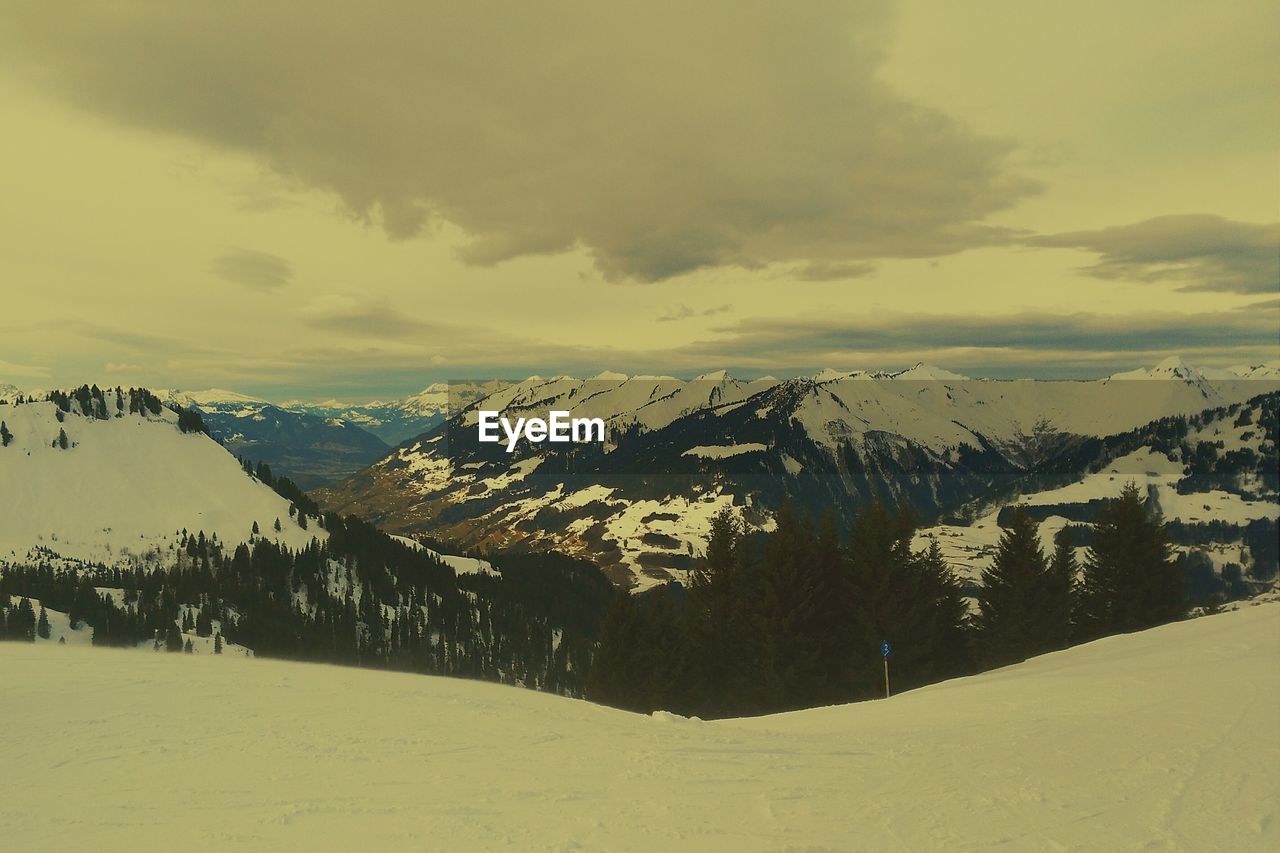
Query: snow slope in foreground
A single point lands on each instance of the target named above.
(1159, 740)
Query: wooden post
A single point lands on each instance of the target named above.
(886, 678)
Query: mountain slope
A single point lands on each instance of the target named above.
(677, 452)
(395, 421)
(126, 519)
(125, 487)
(310, 449)
(1157, 740)
(1213, 478)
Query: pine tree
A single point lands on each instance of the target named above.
(204, 622)
(944, 623)
(217, 643)
(42, 625)
(793, 617)
(723, 659)
(22, 621)
(913, 601)
(1061, 599)
(256, 531)
(1130, 580)
(189, 648)
(62, 439)
(5, 435)
(278, 527)
(621, 664)
(831, 567)
(1015, 595)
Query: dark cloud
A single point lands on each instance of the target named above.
(253, 269)
(834, 270)
(683, 312)
(1191, 252)
(680, 312)
(661, 137)
(799, 342)
(368, 319)
(1028, 344)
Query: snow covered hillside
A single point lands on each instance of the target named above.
(678, 450)
(1213, 477)
(124, 488)
(1158, 740)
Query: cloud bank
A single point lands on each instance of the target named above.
(1192, 252)
(661, 137)
(253, 269)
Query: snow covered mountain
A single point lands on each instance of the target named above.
(1176, 369)
(678, 451)
(131, 526)
(1162, 739)
(1214, 478)
(310, 449)
(125, 487)
(395, 421)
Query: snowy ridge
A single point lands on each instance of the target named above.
(125, 488)
(395, 421)
(1087, 749)
(677, 447)
(970, 548)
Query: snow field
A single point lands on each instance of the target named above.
(1158, 740)
(125, 487)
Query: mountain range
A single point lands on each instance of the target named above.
(123, 519)
(677, 452)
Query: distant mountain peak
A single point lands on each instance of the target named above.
(714, 376)
(1172, 363)
(1172, 367)
(921, 370)
(217, 395)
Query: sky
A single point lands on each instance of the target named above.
(368, 198)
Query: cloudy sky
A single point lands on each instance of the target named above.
(368, 197)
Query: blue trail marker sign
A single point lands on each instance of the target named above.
(885, 651)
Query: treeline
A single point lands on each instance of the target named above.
(1209, 465)
(1030, 603)
(1261, 538)
(786, 620)
(90, 401)
(18, 621)
(361, 597)
(795, 617)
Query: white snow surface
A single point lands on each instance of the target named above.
(723, 451)
(126, 486)
(970, 548)
(1162, 740)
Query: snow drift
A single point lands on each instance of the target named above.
(1159, 740)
